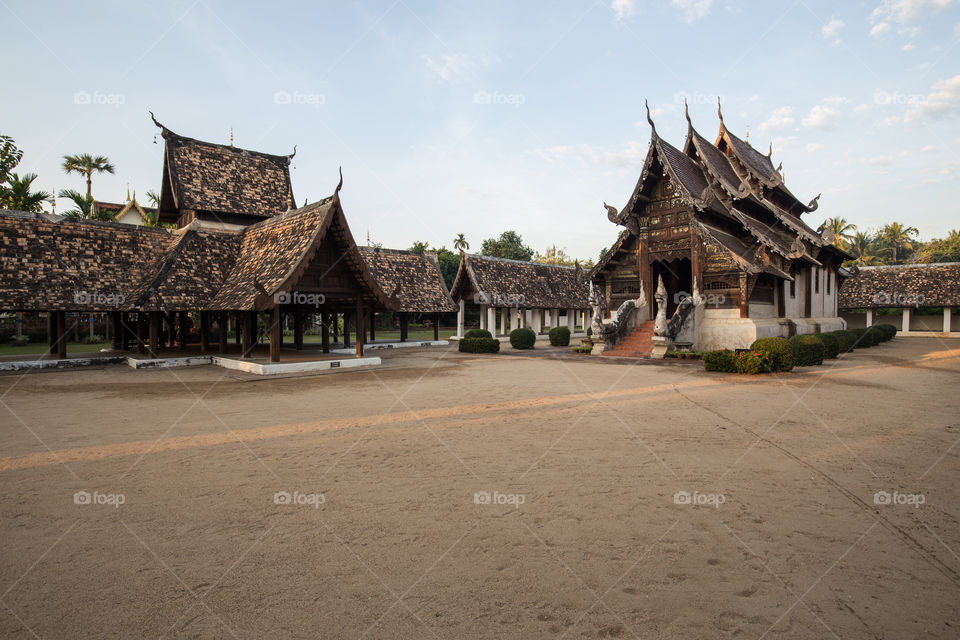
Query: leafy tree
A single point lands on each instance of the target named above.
(10, 157)
(16, 194)
(864, 248)
(460, 243)
(841, 231)
(896, 236)
(153, 198)
(555, 255)
(83, 207)
(449, 264)
(87, 165)
(941, 249)
(508, 245)
(419, 248)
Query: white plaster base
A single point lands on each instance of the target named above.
(162, 363)
(69, 363)
(396, 345)
(725, 329)
(274, 368)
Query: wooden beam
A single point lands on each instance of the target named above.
(182, 320)
(325, 330)
(156, 321)
(404, 324)
(276, 334)
(62, 334)
(436, 326)
(373, 326)
(204, 331)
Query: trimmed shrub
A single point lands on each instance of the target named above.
(807, 350)
(876, 335)
(589, 332)
(845, 338)
(860, 341)
(479, 345)
(522, 338)
(753, 362)
(477, 333)
(720, 360)
(888, 330)
(831, 346)
(559, 336)
(780, 350)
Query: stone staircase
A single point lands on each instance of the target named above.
(638, 344)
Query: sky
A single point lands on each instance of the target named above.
(477, 117)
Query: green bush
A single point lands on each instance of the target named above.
(876, 335)
(522, 338)
(831, 346)
(559, 336)
(720, 360)
(845, 339)
(807, 350)
(780, 350)
(19, 341)
(753, 362)
(589, 332)
(86, 339)
(860, 339)
(888, 330)
(477, 333)
(479, 345)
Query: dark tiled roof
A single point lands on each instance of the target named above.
(422, 289)
(679, 164)
(223, 179)
(758, 164)
(537, 285)
(923, 285)
(717, 163)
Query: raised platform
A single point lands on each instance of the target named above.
(371, 346)
(63, 363)
(274, 368)
(154, 363)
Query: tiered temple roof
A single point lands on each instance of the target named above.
(530, 284)
(421, 285)
(902, 285)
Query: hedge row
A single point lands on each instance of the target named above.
(479, 345)
(807, 350)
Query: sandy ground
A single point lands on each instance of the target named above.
(585, 534)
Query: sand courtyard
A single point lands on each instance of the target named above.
(452, 496)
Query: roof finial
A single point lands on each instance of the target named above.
(686, 112)
(290, 198)
(152, 117)
(719, 111)
(649, 119)
(294, 152)
(340, 184)
(128, 192)
(231, 136)
(748, 134)
(770, 152)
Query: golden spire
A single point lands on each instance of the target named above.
(128, 192)
(231, 136)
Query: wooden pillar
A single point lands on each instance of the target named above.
(346, 330)
(51, 329)
(373, 326)
(247, 333)
(204, 331)
(141, 332)
(298, 316)
(222, 331)
(808, 291)
(334, 319)
(276, 333)
(436, 326)
(61, 346)
(182, 320)
(744, 304)
(325, 330)
(117, 324)
(126, 320)
(404, 320)
(171, 329)
(237, 319)
(360, 321)
(156, 321)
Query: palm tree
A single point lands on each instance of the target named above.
(419, 247)
(87, 165)
(863, 247)
(154, 198)
(895, 236)
(841, 230)
(16, 194)
(83, 207)
(460, 243)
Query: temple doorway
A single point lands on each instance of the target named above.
(677, 279)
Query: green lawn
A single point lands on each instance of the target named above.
(41, 348)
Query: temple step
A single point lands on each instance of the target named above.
(639, 344)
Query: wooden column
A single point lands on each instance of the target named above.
(117, 325)
(51, 329)
(237, 319)
(276, 333)
(373, 326)
(141, 332)
(171, 329)
(334, 319)
(346, 330)
(126, 320)
(436, 326)
(744, 304)
(222, 331)
(808, 291)
(360, 320)
(298, 316)
(61, 345)
(404, 324)
(247, 333)
(325, 330)
(182, 319)
(204, 331)
(156, 321)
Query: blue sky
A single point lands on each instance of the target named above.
(476, 117)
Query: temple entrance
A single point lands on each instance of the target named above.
(677, 279)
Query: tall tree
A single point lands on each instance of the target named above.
(896, 236)
(508, 245)
(87, 165)
(10, 157)
(941, 249)
(864, 248)
(153, 198)
(419, 247)
(83, 207)
(449, 264)
(841, 229)
(460, 243)
(16, 194)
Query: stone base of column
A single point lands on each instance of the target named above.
(660, 346)
(599, 346)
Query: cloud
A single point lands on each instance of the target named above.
(943, 100)
(908, 47)
(905, 11)
(693, 9)
(880, 29)
(832, 29)
(450, 68)
(630, 157)
(780, 119)
(928, 148)
(813, 147)
(820, 117)
(880, 161)
(861, 107)
(623, 8)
